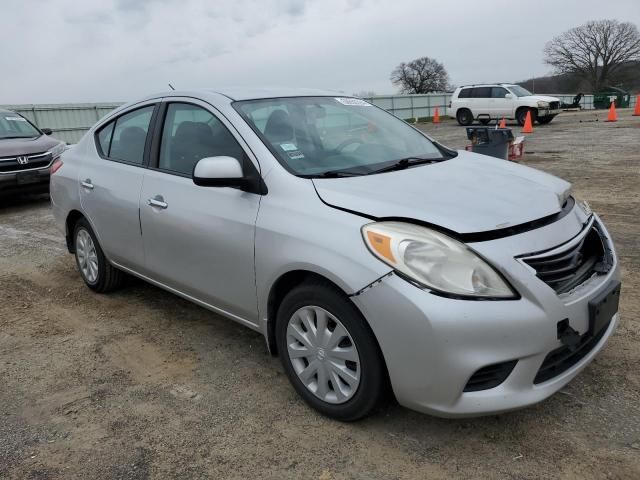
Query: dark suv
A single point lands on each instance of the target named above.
(26, 155)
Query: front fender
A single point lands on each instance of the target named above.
(311, 236)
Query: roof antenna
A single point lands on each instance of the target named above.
(171, 87)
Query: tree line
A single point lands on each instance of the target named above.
(595, 52)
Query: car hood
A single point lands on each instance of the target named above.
(26, 146)
(542, 98)
(470, 193)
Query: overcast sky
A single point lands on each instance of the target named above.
(116, 50)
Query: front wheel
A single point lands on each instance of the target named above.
(521, 115)
(545, 120)
(329, 353)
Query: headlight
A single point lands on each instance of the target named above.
(434, 260)
(57, 150)
(543, 104)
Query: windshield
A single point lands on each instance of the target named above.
(315, 136)
(13, 125)
(519, 91)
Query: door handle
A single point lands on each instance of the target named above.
(157, 201)
(87, 184)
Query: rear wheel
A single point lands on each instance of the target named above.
(521, 115)
(464, 117)
(96, 271)
(329, 352)
(545, 120)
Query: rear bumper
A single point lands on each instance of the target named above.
(9, 183)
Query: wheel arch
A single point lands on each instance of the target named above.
(289, 280)
(463, 110)
(526, 107)
(72, 218)
(283, 284)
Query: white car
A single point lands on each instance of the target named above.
(495, 101)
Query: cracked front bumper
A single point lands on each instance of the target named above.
(433, 345)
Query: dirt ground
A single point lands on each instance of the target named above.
(141, 384)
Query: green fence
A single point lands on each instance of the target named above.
(69, 122)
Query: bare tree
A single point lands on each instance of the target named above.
(595, 50)
(422, 75)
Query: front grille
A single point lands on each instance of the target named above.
(563, 358)
(34, 161)
(554, 105)
(490, 376)
(565, 269)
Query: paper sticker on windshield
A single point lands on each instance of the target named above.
(15, 119)
(288, 147)
(296, 155)
(353, 101)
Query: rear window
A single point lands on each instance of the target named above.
(481, 92)
(465, 93)
(124, 138)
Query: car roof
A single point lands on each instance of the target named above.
(488, 85)
(238, 93)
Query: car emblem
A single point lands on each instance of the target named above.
(23, 160)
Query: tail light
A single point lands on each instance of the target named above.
(57, 163)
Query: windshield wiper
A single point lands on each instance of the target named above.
(332, 174)
(15, 136)
(404, 163)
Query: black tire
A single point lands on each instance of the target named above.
(464, 117)
(485, 121)
(521, 115)
(545, 120)
(108, 278)
(373, 385)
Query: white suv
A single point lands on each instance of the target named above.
(495, 101)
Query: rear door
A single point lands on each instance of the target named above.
(480, 97)
(110, 182)
(199, 240)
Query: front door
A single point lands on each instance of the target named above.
(110, 184)
(199, 240)
(499, 106)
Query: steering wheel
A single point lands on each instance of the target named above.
(346, 142)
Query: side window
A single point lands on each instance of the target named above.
(191, 133)
(498, 92)
(481, 92)
(130, 135)
(104, 138)
(465, 93)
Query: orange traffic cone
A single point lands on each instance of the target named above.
(613, 116)
(503, 123)
(528, 125)
(636, 111)
(436, 116)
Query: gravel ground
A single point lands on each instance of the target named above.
(141, 384)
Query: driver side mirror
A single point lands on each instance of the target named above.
(46, 131)
(219, 172)
(509, 95)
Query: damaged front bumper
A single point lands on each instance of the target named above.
(439, 351)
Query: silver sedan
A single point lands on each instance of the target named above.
(373, 259)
